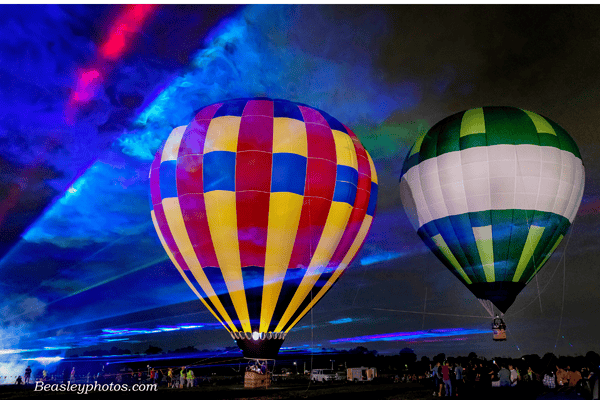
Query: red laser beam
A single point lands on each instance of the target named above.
(124, 29)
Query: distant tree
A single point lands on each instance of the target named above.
(407, 356)
(359, 350)
(593, 358)
(472, 355)
(185, 350)
(425, 360)
(532, 359)
(95, 353)
(439, 358)
(153, 350)
(549, 360)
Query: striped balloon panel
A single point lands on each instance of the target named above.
(261, 204)
(517, 249)
(492, 192)
(488, 126)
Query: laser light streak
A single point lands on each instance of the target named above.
(341, 321)
(410, 336)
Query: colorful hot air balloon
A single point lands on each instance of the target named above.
(492, 191)
(261, 205)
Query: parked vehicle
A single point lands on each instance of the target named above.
(322, 375)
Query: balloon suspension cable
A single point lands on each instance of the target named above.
(359, 285)
(312, 325)
(529, 228)
(425, 274)
(208, 358)
(562, 307)
(424, 309)
(537, 283)
(312, 345)
(515, 339)
(489, 307)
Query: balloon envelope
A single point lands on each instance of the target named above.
(261, 204)
(492, 191)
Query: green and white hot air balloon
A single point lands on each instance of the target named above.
(492, 191)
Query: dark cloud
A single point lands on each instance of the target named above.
(24, 194)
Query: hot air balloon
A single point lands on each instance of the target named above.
(492, 192)
(261, 205)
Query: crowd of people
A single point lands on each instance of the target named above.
(171, 377)
(450, 379)
(180, 378)
(447, 377)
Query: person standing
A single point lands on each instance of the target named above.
(458, 371)
(182, 378)
(433, 371)
(485, 375)
(549, 379)
(574, 376)
(446, 378)
(504, 376)
(440, 380)
(73, 375)
(27, 375)
(190, 378)
(514, 376)
(169, 377)
(530, 376)
(562, 378)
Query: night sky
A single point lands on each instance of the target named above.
(88, 93)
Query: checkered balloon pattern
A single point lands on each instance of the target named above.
(262, 204)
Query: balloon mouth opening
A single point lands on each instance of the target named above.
(501, 294)
(258, 335)
(259, 345)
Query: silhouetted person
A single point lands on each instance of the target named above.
(504, 376)
(27, 375)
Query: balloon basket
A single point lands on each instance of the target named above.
(257, 380)
(499, 334)
(257, 374)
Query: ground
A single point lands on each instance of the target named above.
(332, 391)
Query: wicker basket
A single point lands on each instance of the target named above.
(255, 380)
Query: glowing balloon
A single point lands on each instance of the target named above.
(261, 205)
(492, 191)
